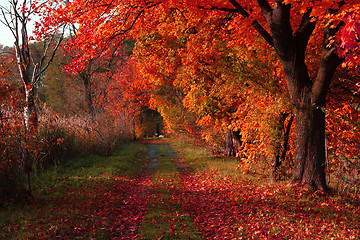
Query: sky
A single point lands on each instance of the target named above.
(6, 38)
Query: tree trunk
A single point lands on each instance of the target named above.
(233, 143)
(30, 114)
(88, 94)
(281, 148)
(31, 124)
(309, 168)
(309, 101)
(307, 94)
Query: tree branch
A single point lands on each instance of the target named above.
(265, 8)
(278, 19)
(303, 33)
(265, 34)
(132, 24)
(52, 55)
(328, 64)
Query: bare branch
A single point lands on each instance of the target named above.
(132, 24)
(37, 77)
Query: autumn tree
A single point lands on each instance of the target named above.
(127, 94)
(225, 94)
(61, 91)
(16, 17)
(77, 92)
(310, 39)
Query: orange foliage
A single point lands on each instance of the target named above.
(222, 90)
(213, 61)
(102, 22)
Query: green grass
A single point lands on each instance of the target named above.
(128, 159)
(200, 159)
(63, 195)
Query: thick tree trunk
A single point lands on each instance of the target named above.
(309, 168)
(309, 101)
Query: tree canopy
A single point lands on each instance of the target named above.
(233, 62)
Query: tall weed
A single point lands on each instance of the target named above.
(56, 139)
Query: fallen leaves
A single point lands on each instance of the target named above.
(243, 210)
(88, 208)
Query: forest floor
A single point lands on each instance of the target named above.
(169, 190)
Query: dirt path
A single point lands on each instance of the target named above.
(136, 205)
(165, 217)
(154, 154)
(189, 205)
(185, 204)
